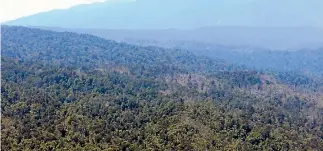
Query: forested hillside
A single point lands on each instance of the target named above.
(278, 49)
(67, 91)
(70, 49)
(307, 60)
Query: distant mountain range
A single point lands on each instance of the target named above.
(182, 14)
(276, 38)
(250, 23)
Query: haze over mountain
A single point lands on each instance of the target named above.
(251, 23)
(276, 38)
(182, 14)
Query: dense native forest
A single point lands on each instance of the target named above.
(67, 91)
(277, 49)
(300, 60)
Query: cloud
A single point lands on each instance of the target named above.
(13, 9)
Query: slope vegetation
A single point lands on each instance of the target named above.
(65, 91)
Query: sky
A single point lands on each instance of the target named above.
(13, 9)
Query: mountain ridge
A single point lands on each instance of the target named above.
(274, 38)
(250, 56)
(152, 14)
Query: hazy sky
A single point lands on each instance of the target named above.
(13, 9)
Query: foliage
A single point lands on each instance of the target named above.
(67, 100)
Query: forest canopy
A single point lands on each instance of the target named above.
(68, 91)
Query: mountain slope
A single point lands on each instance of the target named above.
(68, 49)
(55, 94)
(217, 42)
